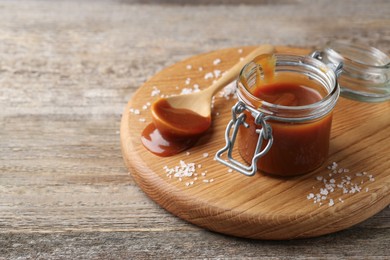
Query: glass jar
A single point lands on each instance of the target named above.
(277, 139)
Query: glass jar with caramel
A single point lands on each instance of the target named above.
(283, 118)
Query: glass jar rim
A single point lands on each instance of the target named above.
(318, 108)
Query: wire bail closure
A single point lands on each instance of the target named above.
(238, 119)
(336, 67)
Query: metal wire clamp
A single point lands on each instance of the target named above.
(238, 119)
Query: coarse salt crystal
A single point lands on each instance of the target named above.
(155, 91)
(205, 155)
(142, 120)
(217, 61)
(310, 196)
(185, 91)
(331, 202)
(239, 50)
(228, 91)
(324, 191)
(217, 73)
(189, 67)
(209, 75)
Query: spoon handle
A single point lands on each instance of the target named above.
(233, 72)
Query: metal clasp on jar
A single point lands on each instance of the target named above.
(336, 66)
(238, 119)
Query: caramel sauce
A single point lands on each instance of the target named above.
(175, 130)
(156, 143)
(179, 123)
(297, 147)
(288, 94)
(267, 64)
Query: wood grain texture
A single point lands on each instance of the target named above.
(261, 207)
(68, 68)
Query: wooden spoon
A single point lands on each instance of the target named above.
(190, 115)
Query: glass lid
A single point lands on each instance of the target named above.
(366, 71)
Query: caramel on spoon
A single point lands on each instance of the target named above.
(178, 121)
(190, 114)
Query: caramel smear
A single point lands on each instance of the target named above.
(265, 72)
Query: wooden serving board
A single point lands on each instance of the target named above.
(261, 207)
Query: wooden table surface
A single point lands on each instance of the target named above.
(67, 70)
